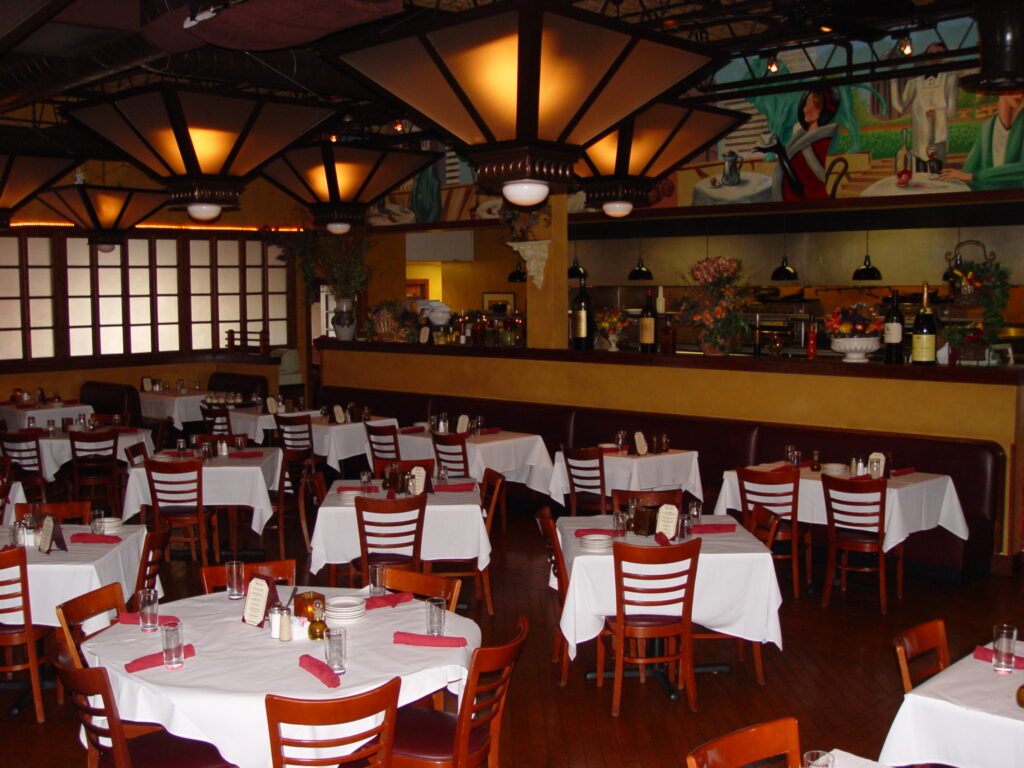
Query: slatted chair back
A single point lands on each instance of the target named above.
(643, 585)
(174, 484)
(153, 551)
(423, 585)
(925, 642)
(216, 420)
(74, 613)
(296, 432)
(215, 577)
(621, 498)
(22, 448)
(492, 496)
(93, 461)
(750, 745)
(778, 491)
(404, 465)
(857, 505)
(383, 441)
(390, 531)
(585, 470)
(136, 453)
(90, 693)
(16, 614)
(450, 452)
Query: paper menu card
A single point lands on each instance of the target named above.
(51, 534)
(260, 594)
(641, 444)
(419, 480)
(339, 414)
(462, 425)
(668, 520)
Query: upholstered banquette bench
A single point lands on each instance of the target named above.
(244, 383)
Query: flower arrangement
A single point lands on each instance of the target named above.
(853, 321)
(716, 304)
(986, 283)
(612, 322)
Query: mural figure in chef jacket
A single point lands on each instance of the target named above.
(931, 100)
(996, 160)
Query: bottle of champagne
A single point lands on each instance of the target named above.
(922, 351)
(892, 331)
(582, 331)
(648, 342)
(903, 159)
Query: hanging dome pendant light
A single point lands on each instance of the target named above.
(517, 275)
(640, 272)
(867, 270)
(784, 271)
(576, 271)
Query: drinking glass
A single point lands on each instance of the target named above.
(172, 639)
(437, 607)
(620, 440)
(817, 758)
(149, 609)
(376, 580)
(30, 422)
(789, 453)
(239, 441)
(116, 419)
(324, 412)
(98, 523)
(367, 414)
(664, 442)
(56, 397)
(1004, 637)
(179, 444)
(875, 468)
(365, 481)
(442, 475)
(694, 511)
(619, 519)
(236, 578)
(51, 426)
(335, 649)
(433, 422)
(794, 457)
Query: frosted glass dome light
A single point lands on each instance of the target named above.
(203, 211)
(617, 208)
(525, 192)
(338, 227)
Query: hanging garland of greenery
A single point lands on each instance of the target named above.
(987, 284)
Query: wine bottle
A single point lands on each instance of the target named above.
(922, 350)
(667, 337)
(582, 331)
(903, 160)
(648, 316)
(892, 331)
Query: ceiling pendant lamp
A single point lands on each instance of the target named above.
(338, 180)
(867, 270)
(517, 275)
(621, 168)
(27, 164)
(576, 270)
(522, 85)
(640, 271)
(105, 213)
(1000, 23)
(784, 272)
(203, 145)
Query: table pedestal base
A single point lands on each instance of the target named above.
(660, 673)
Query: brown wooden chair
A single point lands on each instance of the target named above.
(17, 633)
(106, 739)
(856, 523)
(295, 432)
(136, 453)
(215, 577)
(637, 591)
(585, 469)
(216, 421)
(423, 585)
(6, 481)
(913, 645)
(450, 452)
(73, 613)
(95, 475)
(378, 705)
(176, 493)
(390, 532)
(75, 511)
(494, 497)
(621, 498)
(22, 448)
(291, 483)
(426, 737)
(750, 745)
(491, 490)
(560, 652)
(404, 465)
(779, 493)
(383, 442)
(153, 550)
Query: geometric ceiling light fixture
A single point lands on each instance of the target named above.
(620, 169)
(202, 145)
(523, 85)
(337, 181)
(26, 166)
(103, 212)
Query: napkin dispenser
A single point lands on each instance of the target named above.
(304, 603)
(645, 521)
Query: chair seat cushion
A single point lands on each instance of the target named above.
(388, 558)
(650, 620)
(164, 750)
(423, 734)
(847, 536)
(19, 629)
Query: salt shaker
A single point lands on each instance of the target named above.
(275, 621)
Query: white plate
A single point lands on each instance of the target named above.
(345, 603)
(612, 446)
(835, 468)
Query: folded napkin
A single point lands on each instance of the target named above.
(454, 487)
(985, 654)
(245, 454)
(784, 467)
(411, 430)
(714, 528)
(413, 638)
(341, 488)
(152, 660)
(388, 601)
(490, 431)
(662, 539)
(131, 617)
(94, 538)
(904, 471)
(588, 531)
(320, 670)
(180, 454)
(392, 494)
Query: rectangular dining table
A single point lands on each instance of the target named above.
(55, 449)
(17, 415)
(179, 406)
(227, 482)
(736, 591)
(253, 422)
(14, 496)
(653, 472)
(914, 502)
(338, 442)
(218, 696)
(453, 529)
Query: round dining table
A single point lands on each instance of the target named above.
(921, 183)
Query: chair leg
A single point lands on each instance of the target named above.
(485, 577)
(688, 671)
(881, 580)
(33, 674)
(830, 575)
(620, 652)
(807, 554)
(564, 678)
(795, 558)
(280, 534)
(600, 661)
(758, 663)
(899, 571)
(503, 508)
(204, 550)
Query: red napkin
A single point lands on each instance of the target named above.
(130, 617)
(392, 494)
(341, 488)
(388, 601)
(153, 660)
(610, 449)
(985, 654)
(454, 487)
(784, 467)
(412, 638)
(320, 670)
(93, 538)
(662, 539)
(180, 454)
(411, 430)
(245, 454)
(904, 471)
(6, 547)
(714, 528)
(490, 431)
(588, 531)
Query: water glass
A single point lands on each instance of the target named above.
(240, 441)
(794, 457)
(789, 453)
(817, 758)
(148, 604)
(442, 475)
(51, 426)
(376, 580)
(116, 419)
(437, 607)
(30, 422)
(1004, 638)
(172, 640)
(366, 481)
(335, 649)
(235, 579)
(619, 519)
(98, 523)
(875, 467)
(694, 511)
(620, 440)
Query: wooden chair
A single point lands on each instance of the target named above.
(779, 493)
(560, 652)
(216, 421)
(621, 498)
(585, 469)
(73, 613)
(176, 493)
(106, 739)
(95, 475)
(912, 645)
(390, 532)
(404, 465)
(23, 450)
(750, 745)
(295, 432)
(490, 493)
(471, 738)
(75, 511)
(637, 591)
(856, 523)
(6, 481)
(215, 577)
(17, 633)
(379, 705)
(450, 452)
(136, 453)
(153, 550)
(291, 483)
(423, 585)
(383, 442)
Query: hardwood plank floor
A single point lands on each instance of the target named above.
(837, 672)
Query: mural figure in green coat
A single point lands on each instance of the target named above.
(996, 160)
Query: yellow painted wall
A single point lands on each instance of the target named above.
(433, 271)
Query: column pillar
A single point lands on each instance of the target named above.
(547, 307)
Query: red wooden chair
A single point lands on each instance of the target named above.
(404, 465)
(22, 448)
(750, 745)
(95, 475)
(73, 613)
(423, 585)
(585, 469)
(77, 511)
(215, 577)
(450, 452)
(913, 645)
(152, 556)
(216, 421)
(383, 442)
(560, 652)
(390, 532)
(17, 633)
(176, 493)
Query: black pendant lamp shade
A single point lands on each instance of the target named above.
(784, 271)
(576, 271)
(640, 272)
(103, 212)
(867, 270)
(517, 275)
(1001, 37)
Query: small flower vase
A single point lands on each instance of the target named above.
(344, 320)
(613, 342)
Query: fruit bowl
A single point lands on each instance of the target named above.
(855, 349)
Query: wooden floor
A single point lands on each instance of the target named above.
(837, 673)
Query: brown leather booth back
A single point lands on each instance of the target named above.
(108, 397)
(245, 383)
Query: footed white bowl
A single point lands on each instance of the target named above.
(855, 349)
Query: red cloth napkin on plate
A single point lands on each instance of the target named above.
(904, 471)
(320, 670)
(152, 660)
(245, 454)
(411, 430)
(341, 488)
(985, 654)
(413, 638)
(180, 454)
(490, 431)
(94, 538)
(131, 617)
(454, 487)
(588, 531)
(388, 601)
(714, 528)
(662, 539)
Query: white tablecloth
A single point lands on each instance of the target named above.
(966, 716)
(520, 457)
(181, 407)
(453, 529)
(343, 441)
(16, 496)
(653, 472)
(56, 451)
(17, 418)
(915, 502)
(226, 482)
(218, 696)
(921, 183)
(252, 423)
(736, 592)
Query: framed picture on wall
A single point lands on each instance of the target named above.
(499, 303)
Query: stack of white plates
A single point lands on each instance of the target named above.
(112, 525)
(596, 541)
(344, 610)
(835, 468)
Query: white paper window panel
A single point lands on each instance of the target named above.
(42, 342)
(111, 340)
(254, 307)
(253, 252)
(78, 252)
(9, 283)
(10, 313)
(142, 339)
(10, 345)
(38, 251)
(277, 279)
(138, 281)
(227, 253)
(201, 309)
(139, 311)
(138, 253)
(228, 308)
(8, 251)
(110, 311)
(110, 281)
(166, 280)
(253, 280)
(78, 282)
(199, 252)
(168, 337)
(81, 341)
(167, 309)
(227, 280)
(278, 332)
(79, 311)
(40, 313)
(109, 258)
(224, 328)
(202, 335)
(200, 280)
(278, 306)
(166, 252)
(40, 282)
